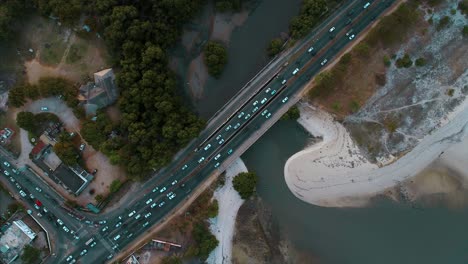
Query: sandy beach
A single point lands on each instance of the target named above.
(223, 226)
(333, 173)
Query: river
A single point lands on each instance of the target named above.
(386, 232)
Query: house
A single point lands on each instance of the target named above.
(38, 150)
(100, 93)
(13, 241)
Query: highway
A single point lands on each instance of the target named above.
(215, 147)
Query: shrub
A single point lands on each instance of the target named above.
(115, 186)
(386, 60)
(405, 61)
(244, 183)
(354, 106)
(30, 255)
(275, 47)
(205, 241)
(215, 55)
(292, 114)
(465, 31)
(463, 7)
(420, 62)
(443, 22)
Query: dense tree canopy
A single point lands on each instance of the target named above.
(275, 47)
(10, 10)
(65, 150)
(311, 13)
(205, 241)
(244, 183)
(26, 121)
(215, 55)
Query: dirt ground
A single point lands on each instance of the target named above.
(59, 52)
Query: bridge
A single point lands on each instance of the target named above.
(259, 104)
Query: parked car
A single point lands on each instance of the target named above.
(6, 164)
(44, 108)
(82, 146)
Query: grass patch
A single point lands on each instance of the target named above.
(76, 53)
(52, 52)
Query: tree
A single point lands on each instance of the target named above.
(405, 61)
(215, 55)
(244, 183)
(420, 62)
(275, 47)
(99, 198)
(115, 186)
(30, 255)
(205, 241)
(26, 121)
(65, 150)
(16, 97)
(171, 260)
(292, 114)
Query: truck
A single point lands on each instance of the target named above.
(89, 241)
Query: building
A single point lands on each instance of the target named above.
(15, 238)
(101, 93)
(38, 149)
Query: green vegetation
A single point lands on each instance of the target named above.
(215, 56)
(327, 81)
(14, 207)
(443, 23)
(354, 106)
(275, 47)
(35, 124)
(465, 31)
(76, 53)
(68, 11)
(205, 242)
(96, 133)
(405, 61)
(228, 5)
(244, 183)
(10, 11)
(386, 60)
(115, 186)
(66, 150)
(311, 13)
(463, 6)
(171, 260)
(450, 92)
(420, 62)
(46, 87)
(292, 114)
(99, 198)
(30, 255)
(213, 209)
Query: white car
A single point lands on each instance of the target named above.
(268, 116)
(174, 182)
(12, 179)
(66, 229)
(263, 100)
(105, 229)
(295, 71)
(207, 147)
(229, 152)
(147, 215)
(138, 216)
(237, 126)
(118, 224)
(273, 92)
(6, 173)
(240, 115)
(31, 196)
(255, 103)
(38, 189)
(172, 196)
(156, 189)
(69, 258)
(255, 109)
(323, 62)
(228, 127)
(23, 194)
(149, 201)
(331, 29)
(131, 213)
(184, 167)
(82, 146)
(284, 81)
(59, 222)
(267, 90)
(169, 194)
(6, 164)
(93, 244)
(264, 112)
(247, 116)
(83, 252)
(37, 207)
(163, 190)
(44, 108)
(221, 141)
(145, 224)
(284, 100)
(162, 204)
(201, 159)
(310, 49)
(218, 137)
(366, 5)
(116, 237)
(351, 37)
(218, 156)
(153, 205)
(216, 165)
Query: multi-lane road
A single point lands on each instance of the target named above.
(264, 96)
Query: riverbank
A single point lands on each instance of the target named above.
(223, 225)
(333, 173)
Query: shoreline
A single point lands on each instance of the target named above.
(333, 173)
(223, 226)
